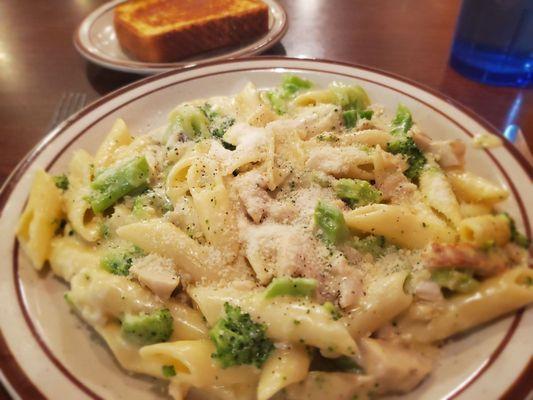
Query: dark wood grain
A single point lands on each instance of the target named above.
(408, 37)
(3, 394)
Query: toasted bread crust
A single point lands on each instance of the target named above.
(196, 37)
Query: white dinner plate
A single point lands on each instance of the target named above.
(45, 352)
(96, 40)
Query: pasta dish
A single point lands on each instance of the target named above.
(289, 243)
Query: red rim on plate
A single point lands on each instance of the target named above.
(22, 385)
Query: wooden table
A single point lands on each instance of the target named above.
(38, 62)
(408, 37)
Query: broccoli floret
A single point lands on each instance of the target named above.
(218, 123)
(334, 311)
(228, 146)
(339, 364)
(404, 144)
(516, 236)
(119, 262)
(403, 121)
(168, 371)
(293, 84)
(350, 97)
(61, 181)
(222, 126)
(144, 329)
(199, 122)
(69, 301)
(365, 114)
(327, 137)
(297, 287)
(138, 209)
(321, 179)
(456, 281)
(208, 111)
(374, 245)
(415, 158)
(357, 192)
(116, 182)
(151, 201)
(191, 120)
(353, 100)
(238, 340)
(289, 88)
(277, 102)
(105, 232)
(116, 263)
(331, 222)
(350, 117)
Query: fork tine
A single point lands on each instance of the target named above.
(57, 111)
(71, 106)
(80, 102)
(82, 99)
(69, 103)
(64, 108)
(76, 101)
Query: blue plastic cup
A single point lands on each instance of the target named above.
(494, 42)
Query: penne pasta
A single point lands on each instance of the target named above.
(399, 224)
(69, 255)
(80, 215)
(125, 352)
(118, 136)
(438, 193)
(193, 363)
(212, 205)
(472, 188)
(40, 219)
(283, 368)
(495, 297)
(197, 262)
(286, 243)
(485, 230)
(474, 209)
(286, 321)
(385, 300)
(176, 182)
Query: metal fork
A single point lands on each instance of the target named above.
(69, 103)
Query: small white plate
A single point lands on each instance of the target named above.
(46, 353)
(96, 40)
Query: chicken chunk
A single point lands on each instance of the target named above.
(278, 250)
(350, 290)
(341, 162)
(465, 255)
(320, 385)
(282, 212)
(428, 290)
(251, 188)
(275, 250)
(157, 274)
(448, 153)
(398, 369)
(390, 180)
(314, 120)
